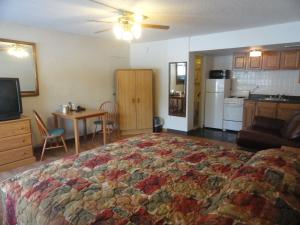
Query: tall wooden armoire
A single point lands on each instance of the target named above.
(135, 100)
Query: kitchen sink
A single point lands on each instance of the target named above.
(274, 99)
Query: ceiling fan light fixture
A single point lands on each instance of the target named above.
(118, 31)
(138, 18)
(127, 32)
(136, 30)
(127, 36)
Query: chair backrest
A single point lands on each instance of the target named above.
(111, 109)
(42, 127)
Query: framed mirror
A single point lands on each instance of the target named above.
(18, 60)
(177, 88)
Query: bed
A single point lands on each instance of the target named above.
(158, 179)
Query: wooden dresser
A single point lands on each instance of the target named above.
(135, 100)
(15, 144)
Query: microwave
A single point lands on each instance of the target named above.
(219, 74)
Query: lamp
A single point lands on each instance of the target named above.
(255, 53)
(127, 31)
(17, 51)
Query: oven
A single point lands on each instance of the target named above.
(233, 114)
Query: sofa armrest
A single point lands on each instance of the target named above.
(269, 125)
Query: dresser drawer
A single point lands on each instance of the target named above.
(23, 162)
(14, 128)
(15, 142)
(15, 155)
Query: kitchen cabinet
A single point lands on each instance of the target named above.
(135, 100)
(254, 63)
(239, 61)
(290, 60)
(286, 110)
(266, 109)
(249, 113)
(271, 60)
(281, 110)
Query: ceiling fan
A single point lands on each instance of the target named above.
(128, 25)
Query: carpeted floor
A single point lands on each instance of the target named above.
(55, 154)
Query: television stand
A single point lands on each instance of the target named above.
(15, 143)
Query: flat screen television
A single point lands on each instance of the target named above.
(10, 99)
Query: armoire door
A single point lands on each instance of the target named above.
(126, 99)
(144, 99)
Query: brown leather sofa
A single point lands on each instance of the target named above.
(271, 133)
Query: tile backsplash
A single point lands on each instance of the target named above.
(284, 82)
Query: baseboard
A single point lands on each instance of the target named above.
(177, 131)
(133, 132)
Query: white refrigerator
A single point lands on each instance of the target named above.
(215, 92)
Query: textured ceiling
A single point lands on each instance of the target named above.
(185, 17)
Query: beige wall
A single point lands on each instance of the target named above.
(71, 68)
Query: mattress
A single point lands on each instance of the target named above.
(158, 179)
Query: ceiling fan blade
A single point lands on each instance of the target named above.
(155, 26)
(101, 31)
(99, 21)
(112, 7)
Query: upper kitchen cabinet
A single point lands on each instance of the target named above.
(290, 60)
(239, 61)
(271, 60)
(254, 63)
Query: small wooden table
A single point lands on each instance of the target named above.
(83, 115)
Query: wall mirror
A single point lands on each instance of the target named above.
(18, 60)
(177, 88)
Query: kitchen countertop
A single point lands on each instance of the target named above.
(263, 98)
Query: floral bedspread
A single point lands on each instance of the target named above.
(158, 179)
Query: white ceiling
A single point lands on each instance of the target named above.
(185, 17)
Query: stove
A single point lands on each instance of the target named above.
(233, 113)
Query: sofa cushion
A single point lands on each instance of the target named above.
(268, 125)
(291, 130)
(261, 140)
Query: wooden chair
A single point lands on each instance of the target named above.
(111, 118)
(49, 135)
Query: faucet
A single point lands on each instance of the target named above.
(254, 89)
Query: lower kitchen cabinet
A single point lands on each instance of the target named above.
(249, 112)
(286, 110)
(254, 108)
(266, 109)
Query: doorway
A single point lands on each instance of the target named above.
(197, 90)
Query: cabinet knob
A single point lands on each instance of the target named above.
(133, 100)
(138, 100)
